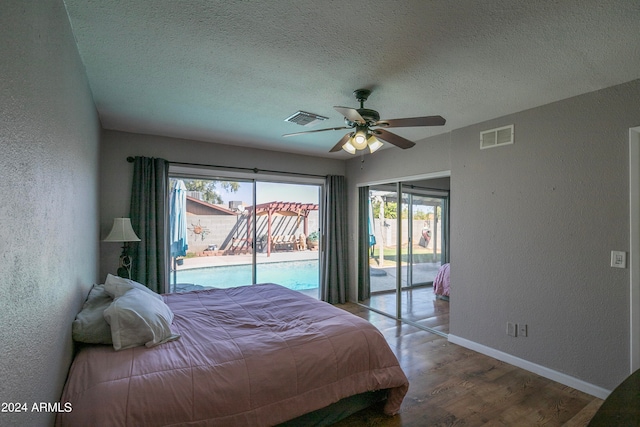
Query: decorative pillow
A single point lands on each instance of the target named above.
(137, 318)
(90, 326)
(117, 286)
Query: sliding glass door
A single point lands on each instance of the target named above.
(383, 249)
(287, 233)
(426, 227)
(242, 232)
(218, 234)
(423, 254)
(408, 227)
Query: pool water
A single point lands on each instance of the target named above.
(297, 275)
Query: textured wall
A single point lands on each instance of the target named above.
(48, 216)
(532, 231)
(532, 227)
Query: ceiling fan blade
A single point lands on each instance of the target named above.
(413, 121)
(340, 143)
(392, 138)
(316, 130)
(351, 114)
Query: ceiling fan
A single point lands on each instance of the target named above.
(363, 121)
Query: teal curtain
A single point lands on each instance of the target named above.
(334, 273)
(149, 211)
(365, 234)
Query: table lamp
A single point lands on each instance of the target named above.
(123, 232)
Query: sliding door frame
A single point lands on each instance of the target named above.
(634, 250)
(399, 250)
(214, 173)
(398, 183)
(411, 193)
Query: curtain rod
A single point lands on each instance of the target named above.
(131, 159)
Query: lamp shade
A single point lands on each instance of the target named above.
(359, 140)
(374, 143)
(122, 231)
(349, 148)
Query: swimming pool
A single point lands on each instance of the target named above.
(297, 275)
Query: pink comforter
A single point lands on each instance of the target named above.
(249, 356)
(442, 282)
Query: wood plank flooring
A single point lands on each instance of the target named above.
(453, 386)
(419, 305)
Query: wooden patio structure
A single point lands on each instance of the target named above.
(301, 210)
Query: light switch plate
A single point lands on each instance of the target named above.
(619, 259)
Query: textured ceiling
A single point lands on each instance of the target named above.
(231, 71)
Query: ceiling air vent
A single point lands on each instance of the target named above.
(303, 118)
(496, 137)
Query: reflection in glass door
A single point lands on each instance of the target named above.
(423, 254)
(425, 230)
(383, 262)
(408, 244)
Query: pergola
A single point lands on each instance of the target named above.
(301, 210)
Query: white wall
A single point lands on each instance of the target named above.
(532, 227)
(48, 216)
(116, 172)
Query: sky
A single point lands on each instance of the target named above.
(273, 192)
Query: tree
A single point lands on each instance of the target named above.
(207, 188)
(390, 209)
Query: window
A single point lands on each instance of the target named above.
(241, 232)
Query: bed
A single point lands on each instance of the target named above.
(442, 282)
(251, 356)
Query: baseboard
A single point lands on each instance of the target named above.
(559, 377)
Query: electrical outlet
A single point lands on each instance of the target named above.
(512, 329)
(522, 330)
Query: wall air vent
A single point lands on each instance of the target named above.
(303, 118)
(496, 137)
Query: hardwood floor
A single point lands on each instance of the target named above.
(419, 305)
(453, 386)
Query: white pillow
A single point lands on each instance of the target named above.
(89, 325)
(136, 318)
(117, 286)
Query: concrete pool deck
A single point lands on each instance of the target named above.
(217, 261)
(423, 272)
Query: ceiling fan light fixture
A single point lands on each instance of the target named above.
(366, 125)
(359, 140)
(373, 143)
(348, 147)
